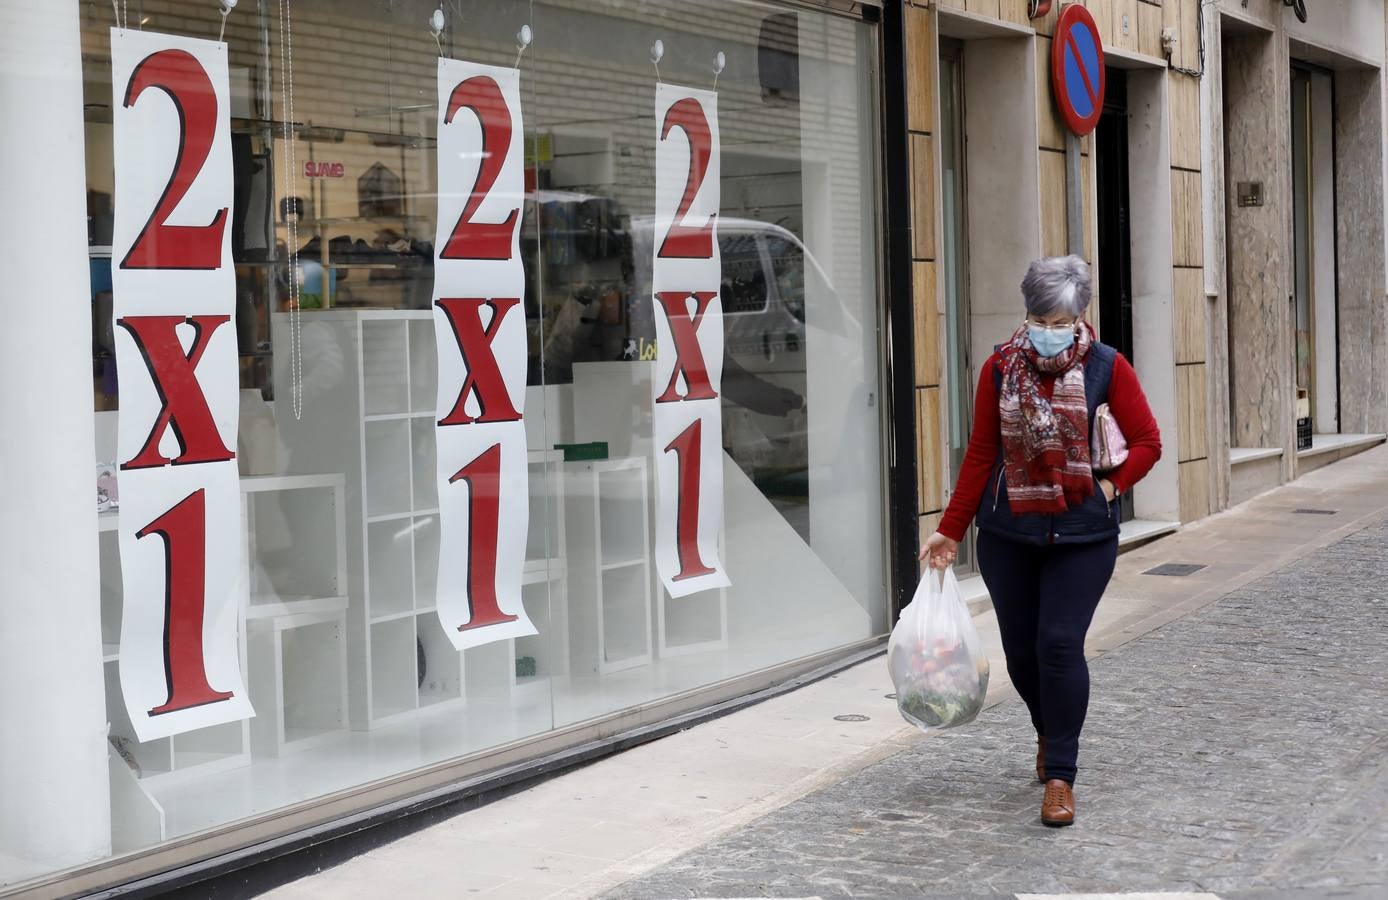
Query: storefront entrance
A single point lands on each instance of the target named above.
(1314, 350)
(340, 160)
(1115, 293)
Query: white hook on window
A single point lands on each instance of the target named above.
(720, 62)
(436, 25)
(657, 54)
(524, 38)
(227, 7)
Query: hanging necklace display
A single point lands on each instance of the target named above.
(291, 171)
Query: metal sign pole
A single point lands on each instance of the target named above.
(1074, 197)
(1077, 83)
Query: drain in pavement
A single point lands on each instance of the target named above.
(1175, 570)
(1315, 512)
(851, 717)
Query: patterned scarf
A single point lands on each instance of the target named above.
(1045, 442)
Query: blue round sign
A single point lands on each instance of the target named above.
(1077, 69)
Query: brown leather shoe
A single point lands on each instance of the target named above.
(1058, 806)
(1041, 759)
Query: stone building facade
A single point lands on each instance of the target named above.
(1231, 313)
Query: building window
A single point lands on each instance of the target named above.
(353, 678)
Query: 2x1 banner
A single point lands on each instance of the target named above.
(178, 376)
(176, 357)
(479, 327)
(686, 278)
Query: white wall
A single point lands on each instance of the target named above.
(1352, 27)
(54, 794)
(1003, 188)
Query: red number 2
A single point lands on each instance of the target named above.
(690, 241)
(160, 245)
(184, 530)
(483, 240)
(483, 477)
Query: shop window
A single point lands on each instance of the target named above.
(334, 260)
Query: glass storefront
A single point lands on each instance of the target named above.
(347, 665)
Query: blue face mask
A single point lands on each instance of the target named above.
(1050, 342)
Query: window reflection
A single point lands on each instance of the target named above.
(335, 216)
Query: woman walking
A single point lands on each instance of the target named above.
(1047, 527)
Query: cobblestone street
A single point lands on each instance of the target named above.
(1241, 747)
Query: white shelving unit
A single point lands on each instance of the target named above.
(697, 623)
(294, 557)
(298, 680)
(368, 412)
(369, 394)
(544, 584)
(492, 669)
(609, 569)
(206, 750)
(613, 404)
(296, 544)
(694, 624)
(296, 612)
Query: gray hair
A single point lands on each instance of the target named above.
(1057, 284)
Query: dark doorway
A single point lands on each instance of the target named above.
(1115, 256)
(1114, 217)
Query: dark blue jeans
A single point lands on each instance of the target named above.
(1045, 597)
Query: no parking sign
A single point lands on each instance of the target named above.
(1077, 69)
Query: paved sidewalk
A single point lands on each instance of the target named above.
(629, 816)
(1243, 746)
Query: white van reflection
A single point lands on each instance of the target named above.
(768, 277)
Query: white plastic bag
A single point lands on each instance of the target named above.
(936, 659)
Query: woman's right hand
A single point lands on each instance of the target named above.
(940, 550)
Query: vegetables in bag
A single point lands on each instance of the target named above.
(936, 659)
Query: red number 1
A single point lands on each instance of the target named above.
(184, 530)
(688, 448)
(483, 477)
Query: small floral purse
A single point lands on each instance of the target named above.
(1108, 446)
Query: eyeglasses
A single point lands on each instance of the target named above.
(1063, 327)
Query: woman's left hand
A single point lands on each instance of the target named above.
(1109, 490)
(940, 550)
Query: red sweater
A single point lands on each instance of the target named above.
(1127, 403)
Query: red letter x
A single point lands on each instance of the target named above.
(689, 357)
(185, 407)
(483, 373)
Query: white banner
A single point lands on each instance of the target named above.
(176, 360)
(686, 276)
(479, 327)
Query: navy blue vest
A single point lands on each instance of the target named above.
(1090, 521)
